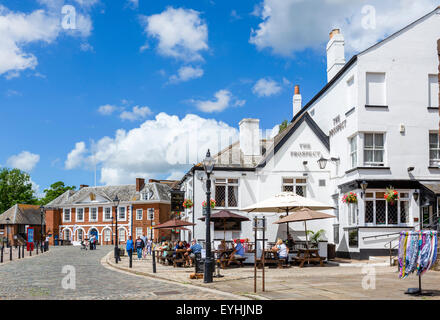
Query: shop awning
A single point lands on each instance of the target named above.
(433, 186)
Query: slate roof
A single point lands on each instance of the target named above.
(125, 193)
(22, 214)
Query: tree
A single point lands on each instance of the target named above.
(283, 126)
(56, 189)
(15, 187)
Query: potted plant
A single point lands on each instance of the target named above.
(350, 197)
(315, 237)
(188, 204)
(212, 202)
(391, 195)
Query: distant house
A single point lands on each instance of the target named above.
(76, 215)
(15, 221)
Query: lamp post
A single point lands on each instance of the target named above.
(116, 204)
(208, 165)
(7, 232)
(41, 230)
(112, 228)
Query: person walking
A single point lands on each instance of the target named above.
(129, 246)
(139, 245)
(149, 246)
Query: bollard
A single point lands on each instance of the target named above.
(22, 251)
(10, 253)
(154, 262)
(19, 252)
(30, 251)
(130, 265)
(36, 245)
(1, 257)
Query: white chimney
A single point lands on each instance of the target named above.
(250, 137)
(297, 101)
(335, 54)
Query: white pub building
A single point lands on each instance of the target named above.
(374, 125)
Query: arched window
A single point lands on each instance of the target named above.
(107, 235)
(66, 234)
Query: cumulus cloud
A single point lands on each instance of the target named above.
(186, 73)
(181, 33)
(107, 109)
(266, 87)
(137, 113)
(221, 102)
(20, 29)
(164, 146)
(25, 161)
(289, 26)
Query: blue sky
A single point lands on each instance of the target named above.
(123, 57)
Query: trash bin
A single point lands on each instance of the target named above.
(200, 265)
(331, 251)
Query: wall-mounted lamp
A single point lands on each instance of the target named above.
(335, 160)
(364, 185)
(410, 169)
(416, 195)
(305, 163)
(322, 162)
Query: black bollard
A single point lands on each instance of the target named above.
(36, 245)
(30, 251)
(10, 253)
(154, 262)
(22, 251)
(19, 252)
(1, 257)
(130, 265)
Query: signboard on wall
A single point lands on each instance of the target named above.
(30, 234)
(177, 198)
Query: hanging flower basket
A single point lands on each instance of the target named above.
(188, 204)
(212, 204)
(350, 197)
(391, 195)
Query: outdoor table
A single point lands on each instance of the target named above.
(179, 257)
(224, 258)
(308, 255)
(270, 258)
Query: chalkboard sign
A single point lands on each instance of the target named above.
(177, 198)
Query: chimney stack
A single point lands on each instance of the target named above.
(297, 101)
(335, 54)
(139, 184)
(250, 137)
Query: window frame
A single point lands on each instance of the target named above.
(104, 213)
(398, 202)
(109, 235)
(434, 162)
(142, 214)
(83, 214)
(90, 214)
(119, 213)
(353, 153)
(367, 89)
(70, 214)
(149, 210)
(294, 184)
(227, 184)
(373, 149)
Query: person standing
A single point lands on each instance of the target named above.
(139, 245)
(129, 246)
(149, 246)
(46, 243)
(91, 242)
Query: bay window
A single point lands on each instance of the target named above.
(374, 149)
(226, 193)
(380, 212)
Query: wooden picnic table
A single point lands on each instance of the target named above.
(308, 255)
(270, 258)
(179, 257)
(226, 259)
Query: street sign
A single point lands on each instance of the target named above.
(177, 199)
(30, 234)
(259, 223)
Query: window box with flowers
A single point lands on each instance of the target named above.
(188, 204)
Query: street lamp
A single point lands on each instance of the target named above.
(7, 232)
(208, 165)
(116, 204)
(41, 230)
(364, 185)
(322, 162)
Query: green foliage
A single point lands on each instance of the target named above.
(283, 126)
(15, 187)
(56, 189)
(315, 237)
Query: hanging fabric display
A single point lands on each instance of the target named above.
(417, 252)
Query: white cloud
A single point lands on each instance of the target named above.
(181, 33)
(25, 161)
(19, 29)
(137, 113)
(186, 73)
(266, 87)
(164, 146)
(289, 26)
(86, 47)
(220, 103)
(75, 158)
(107, 109)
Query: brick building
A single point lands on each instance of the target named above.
(15, 221)
(76, 215)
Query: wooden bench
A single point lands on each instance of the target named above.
(226, 259)
(179, 257)
(309, 256)
(270, 258)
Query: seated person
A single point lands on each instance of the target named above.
(281, 249)
(190, 255)
(222, 246)
(238, 250)
(290, 242)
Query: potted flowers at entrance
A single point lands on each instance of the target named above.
(212, 202)
(349, 198)
(391, 195)
(188, 204)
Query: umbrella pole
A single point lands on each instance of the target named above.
(307, 240)
(287, 212)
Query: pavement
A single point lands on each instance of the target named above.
(363, 280)
(86, 277)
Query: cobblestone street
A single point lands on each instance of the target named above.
(41, 277)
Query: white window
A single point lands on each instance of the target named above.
(351, 99)
(80, 214)
(93, 214)
(295, 185)
(121, 213)
(433, 91)
(226, 193)
(434, 149)
(80, 234)
(139, 214)
(376, 89)
(107, 214)
(150, 214)
(374, 149)
(107, 235)
(147, 195)
(353, 151)
(121, 234)
(66, 232)
(66, 215)
(380, 212)
(139, 232)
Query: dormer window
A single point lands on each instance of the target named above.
(147, 195)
